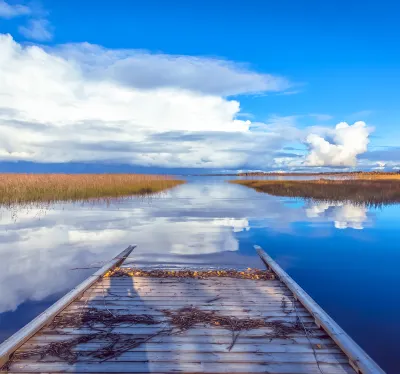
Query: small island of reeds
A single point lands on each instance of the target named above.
(31, 188)
(366, 190)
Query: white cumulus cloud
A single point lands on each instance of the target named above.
(86, 103)
(347, 142)
(64, 104)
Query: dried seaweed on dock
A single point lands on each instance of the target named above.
(199, 274)
(63, 350)
(114, 346)
(92, 316)
(187, 317)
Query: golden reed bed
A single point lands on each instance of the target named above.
(28, 188)
(366, 190)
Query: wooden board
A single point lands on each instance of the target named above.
(202, 348)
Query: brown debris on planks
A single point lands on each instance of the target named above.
(254, 274)
(134, 320)
(93, 316)
(188, 317)
(115, 345)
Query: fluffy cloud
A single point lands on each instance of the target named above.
(67, 105)
(348, 141)
(84, 103)
(37, 29)
(11, 11)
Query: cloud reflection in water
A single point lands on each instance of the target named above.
(344, 215)
(194, 223)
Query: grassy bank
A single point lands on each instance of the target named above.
(360, 191)
(28, 188)
(352, 174)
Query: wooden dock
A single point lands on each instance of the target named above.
(136, 324)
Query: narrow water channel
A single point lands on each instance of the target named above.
(345, 256)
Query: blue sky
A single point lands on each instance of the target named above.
(295, 70)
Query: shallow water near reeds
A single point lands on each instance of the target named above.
(345, 256)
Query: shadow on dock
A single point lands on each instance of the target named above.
(125, 324)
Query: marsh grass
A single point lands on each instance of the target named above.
(17, 189)
(365, 191)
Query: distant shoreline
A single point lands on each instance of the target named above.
(300, 174)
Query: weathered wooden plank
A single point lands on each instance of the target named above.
(179, 303)
(211, 338)
(195, 367)
(170, 345)
(230, 282)
(182, 299)
(21, 336)
(239, 312)
(307, 321)
(219, 280)
(241, 284)
(197, 330)
(193, 292)
(203, 285)
(187, 357)
(158, 295)
(225, 309)
(172, 294)
(187, 295)
(189, 287)
(206, 287)
(206, 284)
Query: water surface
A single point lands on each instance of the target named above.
(345, 256)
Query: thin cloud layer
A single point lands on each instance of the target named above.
(37, 29)
(147, 71)
(13, 10)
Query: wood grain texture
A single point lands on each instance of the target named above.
(202, 348)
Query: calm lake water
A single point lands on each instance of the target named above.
(346, 257)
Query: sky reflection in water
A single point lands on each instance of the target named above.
(345, 256)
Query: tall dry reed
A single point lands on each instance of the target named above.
(365, 191)
(28, 188)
